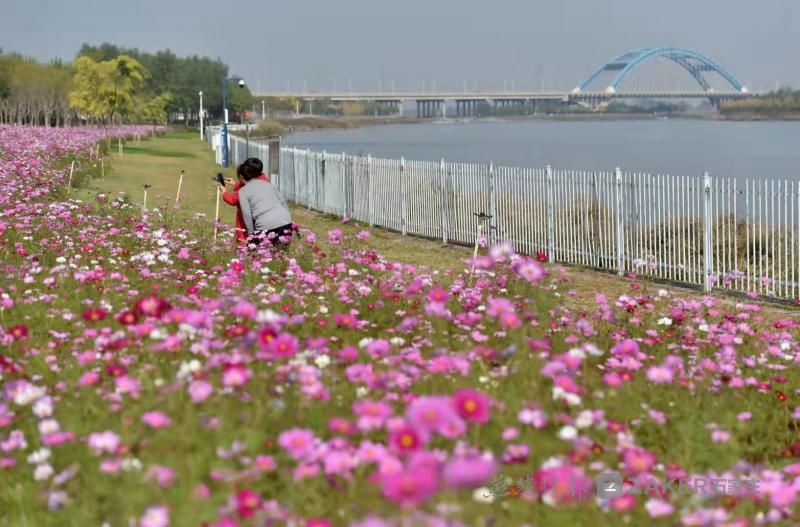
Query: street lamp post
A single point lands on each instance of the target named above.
(225, 117)
(202, 131)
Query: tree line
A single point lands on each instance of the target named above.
(775, 103)
(107, 83)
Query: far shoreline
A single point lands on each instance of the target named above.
(311, 123)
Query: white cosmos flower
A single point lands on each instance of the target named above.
(483, 495)
(322, 361)
(568, 433)
(584, 419)
(39, 457)
(42, 472)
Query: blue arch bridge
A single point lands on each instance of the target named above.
(466, 103)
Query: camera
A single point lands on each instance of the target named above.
(220, 179)
(241, 83)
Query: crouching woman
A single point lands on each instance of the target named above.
(264, 210)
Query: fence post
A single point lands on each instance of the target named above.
(344, 185)
(707, 231)
(492, 206)
(551, 242)
(370, 196)
(308, 179)
(620, 224)
(403, 205)
(295, 163)
(324, 167)
(445, 204)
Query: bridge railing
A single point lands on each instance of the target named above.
(711, 232)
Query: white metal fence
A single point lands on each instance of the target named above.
(741, 235)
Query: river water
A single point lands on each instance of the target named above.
(666, 146)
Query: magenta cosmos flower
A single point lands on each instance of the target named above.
(156, 420)
(468, 472)
(430, 414)
(235, 375)
(471, 405)
(411, 487)
(284, 346)
(371, 414)
(638, 460)
(297, 441)
(406, 439)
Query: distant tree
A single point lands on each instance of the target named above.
(182, 77)
(153, 109)
(33, 93)
(778, 102)
(240, 100)
(107, 90)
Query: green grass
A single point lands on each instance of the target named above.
(158, 162)
(155, 152)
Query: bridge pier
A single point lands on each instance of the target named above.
(431, 108)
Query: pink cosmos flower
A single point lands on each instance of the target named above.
(156, 420)
(157, 516)
(199, 390)
(531, 270)
(430, 414)
(783, 495)
(284, 346)
(338, 462)
(406, 439)
(510, 321)
(111, 465)
(720, 436)
(657, 416)
(297, 441)
(371, 414)
(438, 295)
(235, 375)
(637, 461)
(57, 438)
(89, 378)
(101, 442)
(659, 374)
(626, 348)
(378, 348)
(264, 463)
(247, 501)
(562, 484)
(335, 236)
(624, 503)
(468, 472)
(126, 384)
(510, 433)
(410, 488)
(164, 476)
(657, 508)
(471, 405)
(535, 418)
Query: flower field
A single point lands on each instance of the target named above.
(151, 378)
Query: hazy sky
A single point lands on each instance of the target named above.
(535, 43)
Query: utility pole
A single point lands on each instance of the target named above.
(202, 131)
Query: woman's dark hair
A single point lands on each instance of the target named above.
(250, 169)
